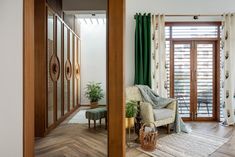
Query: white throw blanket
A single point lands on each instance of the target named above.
(158, 102)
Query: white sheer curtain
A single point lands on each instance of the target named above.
(228, 68)
(159, 77)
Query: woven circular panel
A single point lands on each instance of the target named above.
(77, 71)
(54, 68)
(68, 70)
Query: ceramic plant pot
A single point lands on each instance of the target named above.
(130, 122)
(94, 104)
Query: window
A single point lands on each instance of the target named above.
(187, 36)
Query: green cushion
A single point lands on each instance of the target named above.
(97, 113)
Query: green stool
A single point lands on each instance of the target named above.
(97, 114)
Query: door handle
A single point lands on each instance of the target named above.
(191, 115)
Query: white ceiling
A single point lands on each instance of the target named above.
(91, 18)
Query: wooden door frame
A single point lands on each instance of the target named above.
(28, 78)
(193, 86)
(216, 59)
(116, 107)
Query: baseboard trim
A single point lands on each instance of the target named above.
(88, 105)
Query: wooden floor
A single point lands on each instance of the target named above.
(227, 150)
(73, 140)
(76, 140)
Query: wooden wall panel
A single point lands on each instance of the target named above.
(116, 83)
(28, 79)
(40, 68)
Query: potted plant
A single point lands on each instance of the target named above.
(94, 93)
(131, 111)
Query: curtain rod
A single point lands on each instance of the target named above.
(194, 15)
(189, 15)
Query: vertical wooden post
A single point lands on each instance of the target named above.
(40, 69)
(116, 83)
(28, 77)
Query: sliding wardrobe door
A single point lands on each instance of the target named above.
(50, 83)
(79, 69)
(76, 72)
(59, 81)
(55, 81)
(66, 70)
(71, 50)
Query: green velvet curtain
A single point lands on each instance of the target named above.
(143, 49)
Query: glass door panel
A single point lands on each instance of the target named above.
(71, 61)
(50, 51)
(65, 80)
(79, 65)
(182, 77)
(204, 79)
(76, 71)
(59, 82)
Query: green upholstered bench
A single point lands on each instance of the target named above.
(97, 114)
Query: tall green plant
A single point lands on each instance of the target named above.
(131, 109)
(94, 92)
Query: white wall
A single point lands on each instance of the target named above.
(166, 7)
(11, 82)
(93, 57)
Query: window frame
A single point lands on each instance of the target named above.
(216, 59)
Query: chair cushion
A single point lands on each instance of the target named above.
(146, 112)
(160, 114)
(133, 93)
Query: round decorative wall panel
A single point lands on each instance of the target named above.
(68, 70)
(77, 71)
(54, 68)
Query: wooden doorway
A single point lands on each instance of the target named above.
(116, 29)
(194, 78)
(192, 47)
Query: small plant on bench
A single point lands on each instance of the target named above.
(94, 93)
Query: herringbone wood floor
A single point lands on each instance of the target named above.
(76, 140)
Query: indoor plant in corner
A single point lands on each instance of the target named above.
(131, 111)
(94, 93)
